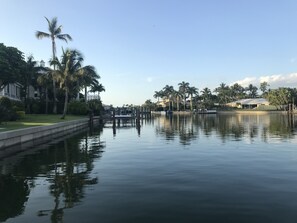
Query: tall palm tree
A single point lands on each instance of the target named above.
(177, 96)
(44, 80)
(29, 76)
(237, 91)
(206, 97)
(68, 72)
(223, 93)
(183, 89)
(158, 94)
(54, 33)
(192, 91)
(168, 94)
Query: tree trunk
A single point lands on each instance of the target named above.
(54, 82)
(77, 96)
(46, 101)
(86, 95)
(65, 104)
(55, 96)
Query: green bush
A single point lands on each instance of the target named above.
(20, 114)
(77, 108)
(35, 108)
(5, 102)
(18, 105)
(95, 105)
(10, 113)
(3, 114)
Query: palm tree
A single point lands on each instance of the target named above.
(29, 77)
(206, 97)
(263, 87)
(44, 80)
(97, 88)
(183, 89)
(87, 76)
(54, 33)
(68, 72)
(177, 96)
(252, 90)
(192, 91)
(237, 91)
(158, 94)
(168, 94)
(224, 93)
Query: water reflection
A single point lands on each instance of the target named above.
(65, 167)
(238, 127)
(14, 193)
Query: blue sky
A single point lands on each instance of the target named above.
(139, 46)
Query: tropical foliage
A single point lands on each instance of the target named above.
(53, 34)
(189, 97)
(11, 64)
(45, 89)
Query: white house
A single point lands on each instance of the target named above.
(249, 103)
(12, 91)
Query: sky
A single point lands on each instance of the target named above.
(139, 46)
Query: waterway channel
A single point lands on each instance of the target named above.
(201, 168)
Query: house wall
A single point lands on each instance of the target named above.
(11, 91)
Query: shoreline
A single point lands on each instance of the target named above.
(222, 112)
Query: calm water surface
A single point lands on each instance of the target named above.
(216, 168)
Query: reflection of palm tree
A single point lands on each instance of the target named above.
(14, 194)
(68, 181)
(54, 33)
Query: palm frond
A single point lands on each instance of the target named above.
(41, 35)
(64, 37)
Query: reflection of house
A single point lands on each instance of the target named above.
(12, 91)
(248, 103)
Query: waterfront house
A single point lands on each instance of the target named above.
(12, 91)
(249, 103)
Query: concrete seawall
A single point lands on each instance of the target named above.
(41, 133)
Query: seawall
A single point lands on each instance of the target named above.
(35, 135)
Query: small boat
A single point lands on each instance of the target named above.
(205, 111)
(123, 116)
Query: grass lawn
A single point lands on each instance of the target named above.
(36, 120)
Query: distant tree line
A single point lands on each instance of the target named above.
(188, 97)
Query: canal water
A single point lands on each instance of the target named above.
(204, 168)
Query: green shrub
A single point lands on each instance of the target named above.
(95, 105)
(20, 114)
(18, 105)
(5, 102)
(7, 109)
(77, 108)
(35, 108)
(3, 114)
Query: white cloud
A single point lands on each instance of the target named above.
(275, 81)
(149, 79)
(293, 60)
